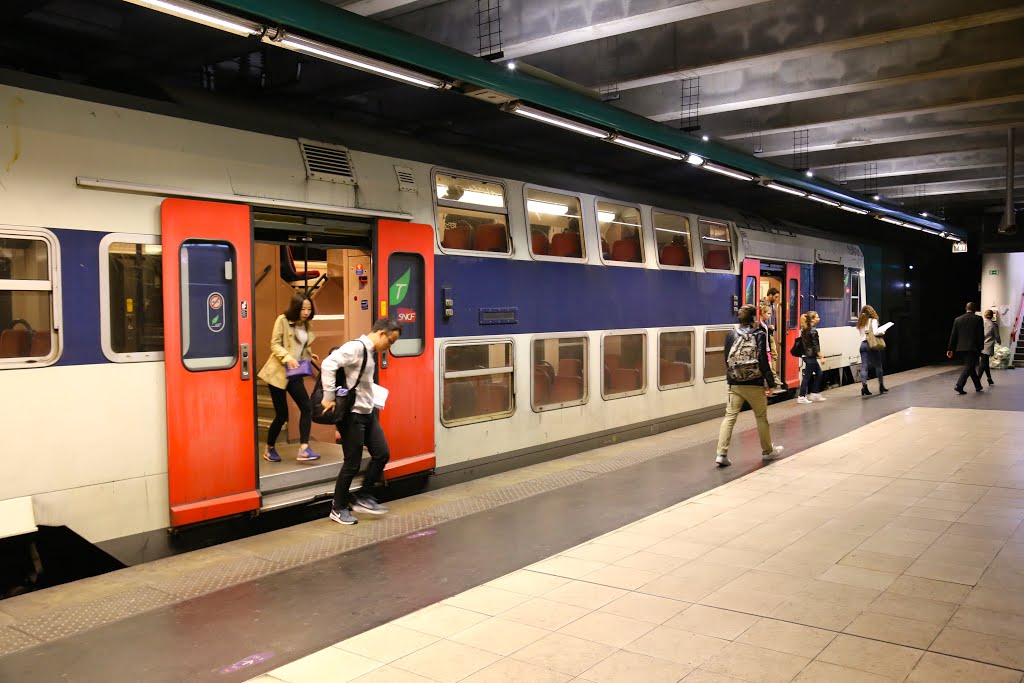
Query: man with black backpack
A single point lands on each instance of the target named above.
(747, 373)
(358, 422)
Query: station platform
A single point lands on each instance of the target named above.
(886, 545)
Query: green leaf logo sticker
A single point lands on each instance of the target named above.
(399, 288)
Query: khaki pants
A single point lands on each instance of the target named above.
(737, 396)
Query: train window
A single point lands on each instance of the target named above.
(621, 232)
(559, 372)
(750, 290)
(714, 354)
(209, 332)
(471, 214)
(478, 382)
(675, 359)
(854, 290)
(406, 302)
(131, 298)
(672, 233)
(555, 224)
(793, 305)
(716, 244)
(29, 304)
(625, 365)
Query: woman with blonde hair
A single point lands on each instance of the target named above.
(810, 385)
(867, 326)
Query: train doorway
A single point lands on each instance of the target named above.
(758, 279)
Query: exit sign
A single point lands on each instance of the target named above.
(993, 272)
(959, 247)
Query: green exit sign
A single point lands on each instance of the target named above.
(993, 272)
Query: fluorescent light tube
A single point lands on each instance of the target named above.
(788, 190)
(356, 61)
(722, 170)
(605, 216)
(547, 208)
(471, 197)
(822, 200)
(203, 15)
(886, 219)
(644, 147)
(853, 209)
(695, 160)
(568, 124)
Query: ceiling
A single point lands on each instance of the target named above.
(912, 102)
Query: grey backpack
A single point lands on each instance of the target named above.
(742, 361)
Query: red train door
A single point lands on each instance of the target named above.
(211, 432)
(404, 264)
(751, 272)
(792, 320)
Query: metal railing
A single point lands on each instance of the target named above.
(1016, 322)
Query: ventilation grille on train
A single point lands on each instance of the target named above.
(328, 162)
(406, 180)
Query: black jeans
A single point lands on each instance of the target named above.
(297, 389)
(358, 430)
(970, 370)
(984, 369)
(812, 376)
(873, 359)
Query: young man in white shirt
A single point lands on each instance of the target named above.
(361, 426)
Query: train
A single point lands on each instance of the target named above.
(144, 257)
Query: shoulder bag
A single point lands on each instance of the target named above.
(343, 402)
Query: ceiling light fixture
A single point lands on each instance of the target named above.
(886, 219)
(568, 124)
(784, 188)
(853, 209)
(809, 173)
(876, 198)
(203, 15)
(695, 160)
(822, 200)
(722, 170)
(705, 138)
(644, 147)
(547, 208)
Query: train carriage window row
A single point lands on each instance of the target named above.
(478, 381)
(29, 309)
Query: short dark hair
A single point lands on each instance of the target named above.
(772, 291)
(387, 326)
(746, 314)
(970, 307)
(294, 310)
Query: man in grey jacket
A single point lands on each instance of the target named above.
(989, 345)
(362, 425)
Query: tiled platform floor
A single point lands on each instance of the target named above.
(892, 553)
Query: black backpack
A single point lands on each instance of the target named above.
(342, 406)
(798, 348)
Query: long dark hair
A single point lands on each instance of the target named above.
(294, 311)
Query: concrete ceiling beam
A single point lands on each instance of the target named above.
(948, 187)
(949, 162)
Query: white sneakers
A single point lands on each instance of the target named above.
(811, 398)
(817, 397)
(776, 452)
(723, 461)
(803, 399)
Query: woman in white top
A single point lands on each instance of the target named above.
(868, 321)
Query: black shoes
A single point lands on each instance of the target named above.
(960, 391)
(882, 389)
(864, 391)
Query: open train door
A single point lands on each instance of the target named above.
(211, 431)
(404, 258)
(792, 319)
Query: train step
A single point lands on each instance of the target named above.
(303, 494)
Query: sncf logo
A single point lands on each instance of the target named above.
(406, 315)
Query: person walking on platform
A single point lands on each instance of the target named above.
(747, 374)
(771, 301)
(361, 426)
(286, 370)
(989, 347)
(870, 349)
(968, 338)
(810, 385)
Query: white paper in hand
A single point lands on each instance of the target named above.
(883, 328)
(380, 396)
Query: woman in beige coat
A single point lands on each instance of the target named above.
(290, 343)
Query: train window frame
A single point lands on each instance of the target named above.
(693, 357)
(106, 317)
(689, 238)
(730, 228)
(585, 338)
(529, 230)
(611, 396)
(716, 349)
(855, 294)
(445, 374)
(439, 204)
(641, 233)
(52, 285)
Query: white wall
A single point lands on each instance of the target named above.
(1004, 289)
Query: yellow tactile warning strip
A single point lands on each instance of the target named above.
(62, 611)
(892, 553)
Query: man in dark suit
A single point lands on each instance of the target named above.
(968, 337)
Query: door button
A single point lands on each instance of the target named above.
(244, 354)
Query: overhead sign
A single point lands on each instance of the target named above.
(993, 272)
(959, 247)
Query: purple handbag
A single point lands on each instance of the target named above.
(305, 369)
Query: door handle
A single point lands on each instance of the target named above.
(244, 354)
(383, 359)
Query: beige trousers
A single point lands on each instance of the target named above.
(737, 396)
